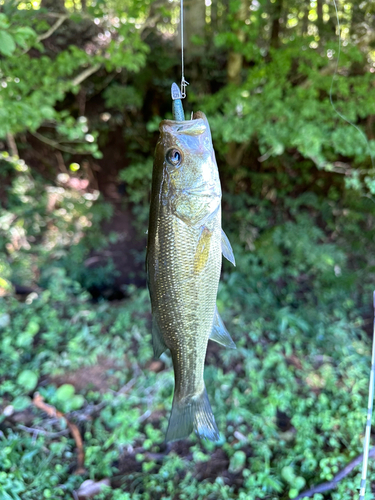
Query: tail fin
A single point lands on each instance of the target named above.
(193, 414)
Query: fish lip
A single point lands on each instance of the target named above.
(194, 127)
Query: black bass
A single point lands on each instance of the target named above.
(185, 244)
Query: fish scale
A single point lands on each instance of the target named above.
(184, 254)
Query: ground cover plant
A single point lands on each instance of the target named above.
(83, 88)
(289, 401)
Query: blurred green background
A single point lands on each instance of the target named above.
(83, 87)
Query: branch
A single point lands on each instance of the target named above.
(57, 145)
(52, 412)
(329, 485)
(12, 144)
(266, 155)
(150, 23)
(60, 19)
(90, 488)
(33, 430)
(85, 74)
(338, 166)
(53, 28)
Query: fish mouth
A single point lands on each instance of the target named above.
(196, 126)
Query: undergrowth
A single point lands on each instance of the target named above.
(290, 402)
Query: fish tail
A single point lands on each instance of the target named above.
(192, 414)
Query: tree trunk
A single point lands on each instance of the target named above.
(305, 19)
(234, 69)
(320, 22)
(214, 20)
(194, 26)
(275, 27)
(235, 58)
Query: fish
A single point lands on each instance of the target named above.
(184, 258)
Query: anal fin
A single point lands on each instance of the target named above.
(220, 334)
(157, 339)
(226, 248)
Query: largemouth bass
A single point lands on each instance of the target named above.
(185, 244)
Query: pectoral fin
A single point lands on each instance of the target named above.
(226, 248)
(157, 339)
(220, 334)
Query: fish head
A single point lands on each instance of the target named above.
(191, 179)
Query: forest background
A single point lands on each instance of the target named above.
(83, 86)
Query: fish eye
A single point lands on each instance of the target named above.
(174, 157)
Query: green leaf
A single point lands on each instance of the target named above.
(287, 473)
(65, 392)
(300, 482)
(28, 380)
(26, 31)
(76, 402)
(21, 403)
(24, 36)
(237, 461)
(3, 21)
(293, 493)
(7, 43)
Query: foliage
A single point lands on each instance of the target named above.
(290, 401)
(137, 178)
(44, 224)
(286, 400)
(34, 79)
(298, 186)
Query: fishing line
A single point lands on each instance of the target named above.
(366, 442)
(184, 83)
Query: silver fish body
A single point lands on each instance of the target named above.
(185, 244)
